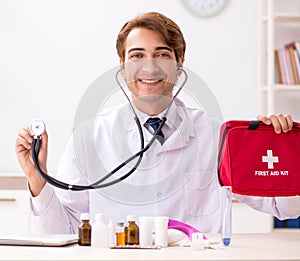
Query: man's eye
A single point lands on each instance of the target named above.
(136, 56)
(163, 55)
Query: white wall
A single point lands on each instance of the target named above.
(50, 51)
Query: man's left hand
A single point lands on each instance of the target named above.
(280, 123)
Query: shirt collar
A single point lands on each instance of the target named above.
(171, 116)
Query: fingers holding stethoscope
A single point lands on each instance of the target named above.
(23, 147)
(24, 140)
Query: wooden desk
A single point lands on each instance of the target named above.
(282, 245)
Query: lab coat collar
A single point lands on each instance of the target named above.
(184, 130)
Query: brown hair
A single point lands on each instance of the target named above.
(168, 29)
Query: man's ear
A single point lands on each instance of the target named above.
(122, 67)
(179, 65)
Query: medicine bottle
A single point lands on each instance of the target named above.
(99, 232)
(111, 234)
(126, 231)
(84, 230)
(132, 231)
(120, 234)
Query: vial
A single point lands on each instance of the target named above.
(120, 234)
(84, 230)
(132, 231)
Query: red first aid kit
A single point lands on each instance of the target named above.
(256, 161)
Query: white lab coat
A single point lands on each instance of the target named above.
(177, 179)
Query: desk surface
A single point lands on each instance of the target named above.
(281, 245)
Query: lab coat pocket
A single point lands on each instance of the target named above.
(202, 197)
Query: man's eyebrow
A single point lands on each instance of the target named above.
(163, 48)
(156, 49)
(135, 49)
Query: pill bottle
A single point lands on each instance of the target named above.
(99, 232)
(84, 230)
(111, 234)
(132, 231)
(120, 234)
(146, 230)
(161, 231)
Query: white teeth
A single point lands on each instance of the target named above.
(149, 81)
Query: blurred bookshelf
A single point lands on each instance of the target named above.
(278, 24)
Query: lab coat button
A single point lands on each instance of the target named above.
(158, 194)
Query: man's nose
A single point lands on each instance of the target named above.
(150, 65)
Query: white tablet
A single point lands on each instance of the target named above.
(38, 240)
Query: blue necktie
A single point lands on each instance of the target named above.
(154, 123)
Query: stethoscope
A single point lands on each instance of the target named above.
(37, 127)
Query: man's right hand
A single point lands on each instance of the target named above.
(23, 150)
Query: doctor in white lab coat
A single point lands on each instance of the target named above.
(177, 176)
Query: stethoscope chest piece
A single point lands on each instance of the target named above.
(37, 127)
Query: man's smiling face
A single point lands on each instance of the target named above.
(150, 65)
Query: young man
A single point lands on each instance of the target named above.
(177, 176)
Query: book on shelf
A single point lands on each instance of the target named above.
(283, 66)
(278, 77)
(293, 64)
(290, 73)
(295, 45)
(297, 60)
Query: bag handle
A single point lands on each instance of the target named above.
(253, 125)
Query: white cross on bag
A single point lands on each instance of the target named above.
(270, 159)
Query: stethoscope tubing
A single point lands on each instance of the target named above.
(36, 144)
